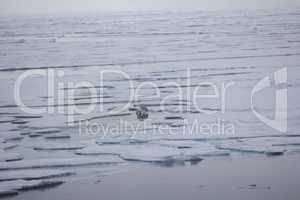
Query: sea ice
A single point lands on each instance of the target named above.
(32, 174)
(5, 156)
(149, 153)
(27, 185)
(57, 162)
(12, 136)
(121, 139)
(58, 146)
(6, 146)
(5, 193)
(249, 147)
(57, 136)
(146, 153)
(47, 131)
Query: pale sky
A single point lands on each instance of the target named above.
(20, 7)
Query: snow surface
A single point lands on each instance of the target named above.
(157, 47)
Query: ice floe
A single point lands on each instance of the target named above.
(19, 121)
(57, 136)
(122, 139)
(6, 193)
(142, 153)
(151, 153)
(27, 116)
(6, 146)
(6, 119)
(274, 152)
(19, 185)
(58, 146)
(12, 136)
(180, 144)
(275, 143)
(174, 118)
(33, 174)
(194, 148)
(205, 152)
(20, 41)
(6, 157)
(34, 135)
(250, 147)
(57, 162)
(25, 132)
(48, 130)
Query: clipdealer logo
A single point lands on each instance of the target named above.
(278, 81)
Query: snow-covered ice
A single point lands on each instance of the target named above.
(5, 156)
(188, 49)
(30, 174)
(57, 146)
(27, 185)
(59, 162)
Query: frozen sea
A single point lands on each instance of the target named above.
(81, 79)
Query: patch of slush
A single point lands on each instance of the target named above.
(12, 187)
(194, 148)
(58, 146)
(149, 153)
(25, 132)
(248, 147)
(48, 131)
(19, 122)
(97, 150)
(275, 143)
(27, 116)
(146, 153)
(180, 144)
(274, 152)
(116, 140)
(6, 146)
(6, 119)
(8, 157)
(141, 153)
(287, 144)
(57, 162)
(6, 193)
(205, 152)
(34, 135)
(32, 174)
(11, 136)
(122, 139)
(57, 136)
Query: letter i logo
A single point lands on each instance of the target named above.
(280, 119)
